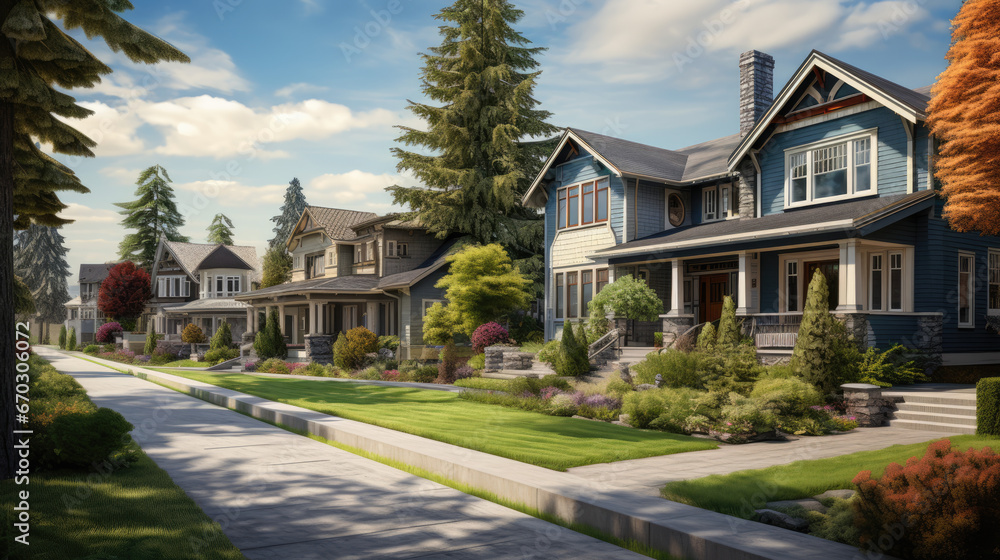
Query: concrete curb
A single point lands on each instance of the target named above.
(681, 530)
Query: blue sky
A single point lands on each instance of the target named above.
(312, 89)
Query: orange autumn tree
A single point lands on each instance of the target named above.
(965, 115)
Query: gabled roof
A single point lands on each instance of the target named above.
(224, 257)
(391, 221)
(438, 259)
(908, 103)
(685, 166)
(191, 255)
(207, 305)
(336, 222)
(353, 284)
(854, 217)
(94, 272)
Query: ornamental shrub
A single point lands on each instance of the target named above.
(273, 365)
(889, 368)
(658, 340)
(449, 364)
(151, 339)
(823, 355)
(269, 342)
(988, 406)
(642, 407)
(82, 439)
(62, 337)
(790, 397)
(488, 334)
(477, 362)
(351, 348)
(71, 339)
(941, 506)
(678, 369)
(220, 355)
(549, 353)
(92, 349)
(192, 334)
(424, 374)
(572, 360)
(223, 337)
(106, 332)
(388, 342)
(707, 338)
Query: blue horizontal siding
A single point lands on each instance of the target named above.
(650, 209)
(892, 146)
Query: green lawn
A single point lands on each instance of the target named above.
(741, 492)
(186, 363)
(136, 512)
(548, 441)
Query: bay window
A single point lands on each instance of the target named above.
(582, 204)
(830, 170)
(173, 286)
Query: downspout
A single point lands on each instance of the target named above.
(635, 222)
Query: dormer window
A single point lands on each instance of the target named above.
(718, 202)
(831, 170)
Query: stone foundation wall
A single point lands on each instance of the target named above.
(673, 327)
(866, 403)
(500, 358)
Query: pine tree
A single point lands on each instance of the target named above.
(291, 211)
(154, 215)
(708, 338)
(151, 339)
(36, 56)
(40, 261)
(277, 267)
(963, 114)
(479, 153)
(220, 230)
(62, 337)
(223, 337)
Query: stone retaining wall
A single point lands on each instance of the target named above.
(866, 404)
(319, 348)
(499, 358)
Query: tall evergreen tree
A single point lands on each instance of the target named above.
(220, 230)
(481, 147)
(36, 56)
(963, 115)
(40, 260)
(291, 211)
(277, 267)
(153, 215)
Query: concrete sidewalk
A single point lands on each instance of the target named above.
(604, 500)
(280, 495)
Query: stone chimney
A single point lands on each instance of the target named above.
(756, 87)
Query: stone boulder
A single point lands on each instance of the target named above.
(783, 520)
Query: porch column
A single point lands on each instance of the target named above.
(313, 322)
(851, 269)
(281, 320)
(743, 285)
(250, 319)
(676, 288)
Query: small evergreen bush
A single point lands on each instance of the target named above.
(388, 342)
(790, 397)
(941, 506)
(889, 368)
(729, 330)
(988, 406)
(572, 360)
(488, 334)
(220, 355)
(151, 339)
(273, 365)
(424, 374)
(643, 407)
(223, 337)
(351, 349)
(106, 332)
(549, 352)
(192, 334)
(269, 342)
(62, 337)
(477, 362)
(71, 339)
(92, 349)
(82, 439)
(677, 368)
(823, 354)
(707, 338)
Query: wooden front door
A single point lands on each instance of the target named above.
(830, 269)
(714, 289)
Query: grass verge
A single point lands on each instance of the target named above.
(740, 493)
(548, 441)
(134, 511)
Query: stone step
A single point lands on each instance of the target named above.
(933, 426)
(962, 419)
(959, 399)
(512, 374)
(961, 410)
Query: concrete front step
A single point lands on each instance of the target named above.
(933, 426)
(960, 410)
(958, 419)
(950, 399)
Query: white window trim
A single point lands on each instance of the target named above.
(989, 255)
(390, 249)
(402, 250)
(871, 133)
(906, 277)
(803, 283)
(165, 286)
(723, 210)
(971, 323)
(579, 217)
(424, 306)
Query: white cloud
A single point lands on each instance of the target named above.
(664, 36)
(217, 127)
(113, 128)
(351, 187)
(84, 215)
(298, 88)
(312, 6)
(204, 197)
(123, 175)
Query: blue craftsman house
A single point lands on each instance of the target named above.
(832, 176)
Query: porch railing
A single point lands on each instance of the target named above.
(773, 330)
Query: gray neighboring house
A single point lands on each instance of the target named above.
(197, 283)
(354, 269)
(82, 313)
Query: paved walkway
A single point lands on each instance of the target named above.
(280, 495)
(647, 476)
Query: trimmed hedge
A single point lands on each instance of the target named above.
(988, 406)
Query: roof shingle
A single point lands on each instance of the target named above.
(338, 222)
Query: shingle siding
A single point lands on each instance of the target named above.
(650, 209)
(418, 292)
(892, 148)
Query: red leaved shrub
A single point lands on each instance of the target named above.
(124, 293)
(488, 334)
(944, 505)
